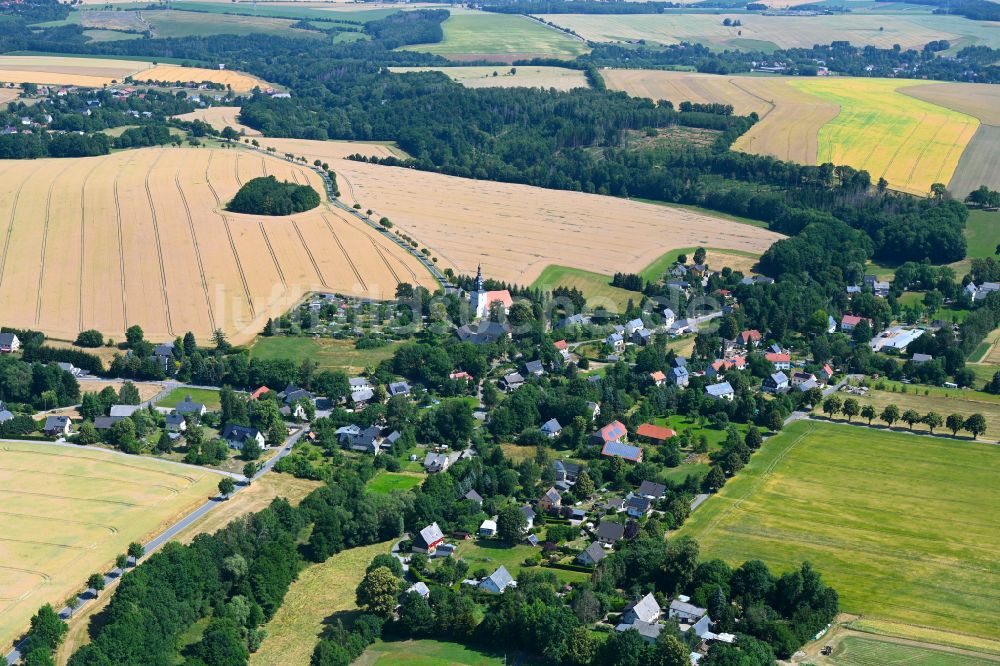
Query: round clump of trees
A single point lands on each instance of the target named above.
(267, 196)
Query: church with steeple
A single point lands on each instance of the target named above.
(480, 299)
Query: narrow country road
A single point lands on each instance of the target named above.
(172, 531)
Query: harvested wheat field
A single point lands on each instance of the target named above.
(515, 231)
(68, 511)
(69, 71)
(153, 246)
(789, 118)
(328, 151)
(560, 78)
(238, 81)
(220, 117)
(9, 94)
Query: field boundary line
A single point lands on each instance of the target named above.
(121, 251)
(770, 103)
(229, 234)
(274, 257)
(10, 223)
(110, 528)
(159, 248)
(350, 262)
(236, 168)
(197, 249)
(45, 241)
(312, 259)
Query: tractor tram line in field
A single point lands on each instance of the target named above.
(350, 262)
(229, 234)
(159, 246)
(197, 249)
(45, 240)
(10, 224)
(121, 248)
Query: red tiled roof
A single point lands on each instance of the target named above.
(503, 296)
(259, 392)
(560, 344)
(654, 432)
(460, 375)
(752, 334)
(657, 376)
(613, 432)
(778, 358)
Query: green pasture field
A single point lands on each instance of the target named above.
(327, 353)
(903, 527)
(501, 34)
(490, 554)
(68, 512)
(208, 397)
(427, 653)
(173, 23)
(386, 482)
(595, 286)
(322, 591)
(285, 11)
(858, 651)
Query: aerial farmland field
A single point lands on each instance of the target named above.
(902, 526)
(238, 81)
(909, 142)
(769, 32)
(219, 117)
(67, 513)
(515, 231)
(560, 78)
(141, 237)
(58, 70)
(501, 37)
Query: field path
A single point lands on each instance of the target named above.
(197, 249)
(159, 246)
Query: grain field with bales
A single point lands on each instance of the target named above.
(142, 237)
(515, 231)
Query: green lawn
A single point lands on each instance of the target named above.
(982, 233)
(386, 482)
(905, 528)
(858, 651)
(501, 34)
(327, 353)
(595, 286)
(427, 653)
(209, 397)
(490, 554)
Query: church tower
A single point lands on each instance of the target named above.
(479, 295)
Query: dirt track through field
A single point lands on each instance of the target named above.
(153, 246)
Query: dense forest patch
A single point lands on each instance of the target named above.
(266, 196)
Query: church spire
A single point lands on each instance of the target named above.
(479, 278)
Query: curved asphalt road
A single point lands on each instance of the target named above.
(152, 545)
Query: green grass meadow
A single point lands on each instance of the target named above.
(208, 397)
(595, 286)
(427, 653)
(327, 353)
(905, 528)
(386, 482)
(501, 34)
(858, 651)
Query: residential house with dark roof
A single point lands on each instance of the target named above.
(622, 450)
(550, 499)
(399, 388)
(529, 515)
(566, 473)
(551, 428)
(609, 531)
(483, 332)
(188, 406)
(9, 343)
(637, 506)
(591, 555)
(643, 610)
(57, 426)
(534, 368)
(236, 436)
(473, 496)
(651, 490)
(512, 381)
(776, 382)
(435, 462)
(680, 377)
(175, 423)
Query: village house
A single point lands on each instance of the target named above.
(551, 428)
(849, 322)
(498, 581)
(529, 515)
(642, 337)
(488, 528)
(654, 434)
(591, 555)
(651, 490)
(566, 473)
(483, 332)
(658, 378)
(360, 384)
(751, 337)
(187, 406)
(616, 342)
(721, 391)
(613, 432)
(122, 411)
(420, 588)
(512, 381)
(534, 368)
(622, 450)
(57, 426)
(679, 377)
(428, 539)
(399, 388)
(361, 397)
(9, 343)
(562, 348)
(608, 532)
(435, 462)
(550, 500)
(175, 423)
(775, 383)
(473, 496)
(637, 506)
(780, 360)
(689, 616)
(643, 610)
(236, 436)
(668, 317)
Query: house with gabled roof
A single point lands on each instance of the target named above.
(550, 499)
(592, 554)
(609, 531)
(721, 391)
(613, 432)
(534, 368)
(776, 382)
(622, 450)
(551, 428)
(399, 388)
(428, 539)
(643, 610)
(189, 406)
(498, 581)
(750, 337)
(57, 426)
(236, 436)
(9, 343)
(652, 490)
(473, 496)
(654, 433)
(780, 360)
(679, 376)
(529, 515)
(512, 381)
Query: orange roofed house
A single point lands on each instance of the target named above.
(654, 433)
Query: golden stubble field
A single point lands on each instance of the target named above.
(67, 512)
(70, 71)
(515, 231)
(240, 82)
(141, 237)
(220, 117)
